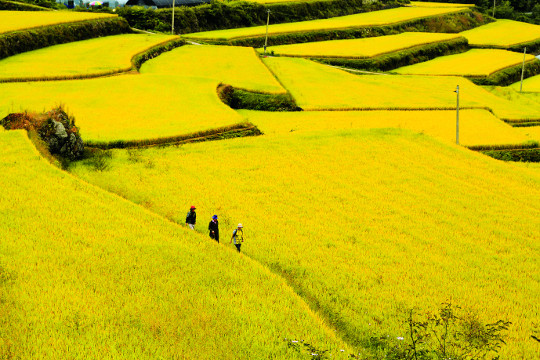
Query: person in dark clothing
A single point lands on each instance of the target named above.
(191, 218)
(213, 227)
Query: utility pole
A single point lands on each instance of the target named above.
(457, 115)
(172, 30)
(266, 39)
(522, 69)
(493, 8)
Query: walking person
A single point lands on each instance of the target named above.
(213, 227)
(191, 218)
(238, 236)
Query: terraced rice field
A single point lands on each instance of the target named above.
(502, 33)
(320, 87)
(477, 127)
(232, 65)
(127, 107)
(418, 222)
(18, 20)
(95, 276)
(473, 63)
(361, 48)
(82, 58)
(384, 17)
(531, 84)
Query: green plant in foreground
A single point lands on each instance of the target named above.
(451, 334)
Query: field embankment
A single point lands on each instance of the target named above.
(22, 31)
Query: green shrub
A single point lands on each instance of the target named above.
(522, 155)
(509, 75)
(242, 99)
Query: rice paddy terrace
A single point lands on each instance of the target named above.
(357, 206)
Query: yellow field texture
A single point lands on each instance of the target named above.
(532, 132)
(436, 4)
(280, 1)
(126, 107)
(18, 20)
(90, 57)
(88, 275)
(361, 48)
(477, 127)
(367, 223)
(383, 17)
(232, 65)
(320, 87)
(475, 62)
(531, 84)
(502, 33)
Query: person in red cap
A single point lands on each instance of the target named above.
(191, 218)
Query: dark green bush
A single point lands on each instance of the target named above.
(522, 155)
(242, 99)
(17, 42)
(20, 6)
(510, 75)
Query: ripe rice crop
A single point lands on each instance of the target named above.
(18, 20)
(383, 17)
(477, 127)
(86, 274)
(231, 65)
(361, 48)
(89, 57)
(474, 63)
(437, 4)
(127, 107)
(366, 223)
(280, 1)
(502, 33)
(531, 84)
(320, 87)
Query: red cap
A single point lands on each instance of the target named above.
(192, 207)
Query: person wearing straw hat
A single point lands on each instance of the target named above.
(213, 227)
(191, 218)
(238, 236)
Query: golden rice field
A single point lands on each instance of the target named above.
(18, 20)
(232, 65)
(531, 84)
(88, 275)
(477, 127)
(366, 223)
(502, 33)
(437, 4)
(82, 58)
(361, 48)
(320, 87)
(374, 18)
(126, 107)
(474, 63)
(279, 1)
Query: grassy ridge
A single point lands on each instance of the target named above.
(406, 57)
(397, 240)
(20, 6)
(85, 59)
(16, 42)
(86, 274)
